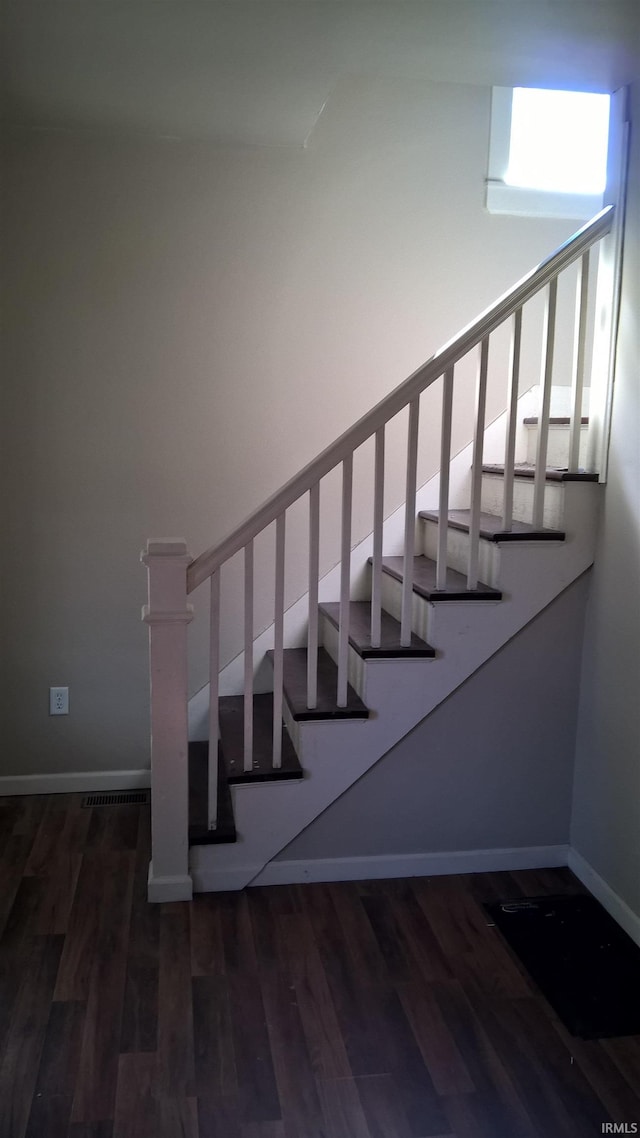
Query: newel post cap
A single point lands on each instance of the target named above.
(165, 547)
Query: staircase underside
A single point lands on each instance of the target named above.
(392, 688)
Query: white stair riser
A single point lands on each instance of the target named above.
(557, 445)
(355, 663)
(493, 498)
(421, 609)
(458, 552)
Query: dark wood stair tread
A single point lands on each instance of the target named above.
(232, 742)
(424, 581)
(360, 633)
(553, 474)
(199, 832)
(491, 527)
(295, 688)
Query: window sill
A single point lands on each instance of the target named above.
(521, 202)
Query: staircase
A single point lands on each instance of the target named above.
(402, 621)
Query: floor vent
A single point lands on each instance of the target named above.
(118, 798)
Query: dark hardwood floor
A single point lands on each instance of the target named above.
(360, 1010)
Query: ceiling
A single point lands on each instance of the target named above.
(259, 72)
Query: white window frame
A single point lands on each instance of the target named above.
(519, 200)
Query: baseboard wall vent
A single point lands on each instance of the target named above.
(117, 798)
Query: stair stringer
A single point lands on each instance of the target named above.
(400, 694)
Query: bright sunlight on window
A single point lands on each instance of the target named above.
(558, 141)
(547, 152)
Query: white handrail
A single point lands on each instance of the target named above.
(204, 565)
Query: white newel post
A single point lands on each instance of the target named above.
(167, 615)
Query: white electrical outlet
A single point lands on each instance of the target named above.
(58, 701)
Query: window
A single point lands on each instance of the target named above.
(548, 152)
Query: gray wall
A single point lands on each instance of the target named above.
(606, 813)
(492, 767)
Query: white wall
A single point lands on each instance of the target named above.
(606, 809)
(490, 768)
(184, 327)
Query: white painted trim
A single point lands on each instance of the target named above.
(411, 865)
(74, 782)
(608, 898)
(178, 887)
(521, 201)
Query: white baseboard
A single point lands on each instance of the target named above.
(411, 865)
(608, 898)
(74, 782)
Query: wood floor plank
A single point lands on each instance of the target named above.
(440, 1053)
(342, 1109)
(207, 948)
(16, 945)
(540, 1064)
(419, 1098)
(143, 1109)
(12, 862)
(481, 1115)
(494, 1098)
(98, 1071)
(389, 937)
(357, 1005)
(218, 1116)
(266, 1130)
(83, 930)
(237, 933)
(363, 947)
(383, 1107)
(421, 944)
(257, 1090)
(113, 828)
(214, 1054)
(620, 1098)
(91, 1129)
(58, 1070)
(625, 1053)
(25, 1037)
(63, 829)
(49, 1116)
(297, 1091)
(325, 1043)
(140, 1008)
(175, 1009)
(29, 816)
(271, 954)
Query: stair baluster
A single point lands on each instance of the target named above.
(445, 461)
(214, 699)
(248, 656)
(314, 572)
(378, 521)
(278, 642)
(345, 580)
(548, 342)
(476, 471)
(512, 413)
(410, 521)
(579, 346)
